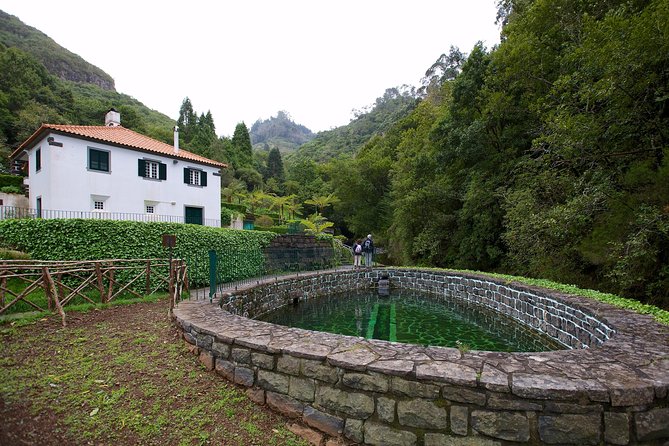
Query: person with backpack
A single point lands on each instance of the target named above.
(357, 253)
(368, 250)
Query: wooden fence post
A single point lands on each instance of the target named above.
(171, 286)
(51, 292)
(101, 284)
(3, 285)
(111, 284)
(148, 278)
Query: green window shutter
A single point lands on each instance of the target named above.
(141, 168)
(203, 178)
(162, 171)
(186, 175)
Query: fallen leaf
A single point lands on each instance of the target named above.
(94, 412)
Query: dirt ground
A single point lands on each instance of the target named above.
(120, 376)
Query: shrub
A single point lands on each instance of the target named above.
(75, 239)
(264, 221)
(11, 190)
(11, 180)
(9, 254)
(241, 208)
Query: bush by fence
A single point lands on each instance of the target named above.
(11, 180)
(102, 239)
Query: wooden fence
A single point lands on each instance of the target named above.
(94, 281)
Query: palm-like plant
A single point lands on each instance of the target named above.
(316, 224)
(279, 203)
(294, 208)
(322, 201)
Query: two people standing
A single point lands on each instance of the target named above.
(365, 248)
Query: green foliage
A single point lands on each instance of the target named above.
(241, 208)
(10, 254)
(11, 190)
(264, 221)
(347, 140)
(11, 180)
(242, 152)
(93, 239)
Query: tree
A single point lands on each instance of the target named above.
(187, 121)
(274, 165)
(322, 201)
(241, 146)
(316, 224)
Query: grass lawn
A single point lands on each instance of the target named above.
(120, 376)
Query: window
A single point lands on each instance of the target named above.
(153, 170)
(98, 160)
(195, 177)
(150, 209)
(99, 205)
(38, 160)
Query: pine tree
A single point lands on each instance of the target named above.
(187, 121)
(274, 165)
(241, 144)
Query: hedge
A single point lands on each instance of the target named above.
(11, 180)
(76, 239)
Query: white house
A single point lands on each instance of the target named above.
(113, 172)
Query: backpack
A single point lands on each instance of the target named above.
(367, 243)
(358, 249)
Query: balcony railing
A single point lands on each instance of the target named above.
(11, 212)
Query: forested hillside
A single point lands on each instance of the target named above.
(346, 140)
(546, 156)
(56, 59)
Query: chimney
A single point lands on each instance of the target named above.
(176, 139)
(112, 118)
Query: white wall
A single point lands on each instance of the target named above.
(65, 183)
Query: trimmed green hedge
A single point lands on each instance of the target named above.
(76, 239)
(11, 180)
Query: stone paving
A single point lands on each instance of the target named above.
(379, 392)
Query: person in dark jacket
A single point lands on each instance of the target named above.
(368, 251)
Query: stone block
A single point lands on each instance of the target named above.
(353, 430)
(357, 405)
(288, 364)
(241, 356)
(204, 341)
(313, 437)
(262, 360)
(422, 414)
(385, 409)
(512, 426)
(226, 369)
(377, 434)
(571, 429)
(616, 428)
(189, 338)
(447, 372)
(302, 388)
(632, 396)
(494, 379)
(652, 425)
(207, 359)
(463, 395)
(459, 420)
(509, 402)
(414, 389)
(220, 349)
(284, 404)
(274, 382)
(362, 381)
(244, 376)
(432, 439)
(324, 422)
(256, 395)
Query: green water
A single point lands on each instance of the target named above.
(415, 318)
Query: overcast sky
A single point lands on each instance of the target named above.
(247, 59)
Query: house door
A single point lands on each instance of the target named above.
(194, 215)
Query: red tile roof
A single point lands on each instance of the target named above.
(118, 136)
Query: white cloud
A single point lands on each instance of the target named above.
(249, 59)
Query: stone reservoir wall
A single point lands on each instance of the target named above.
(610, 388)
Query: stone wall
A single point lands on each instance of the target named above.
(299, 251)
(611, 391)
